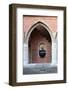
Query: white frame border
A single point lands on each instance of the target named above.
(45, 77)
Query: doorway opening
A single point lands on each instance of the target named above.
(40, 44)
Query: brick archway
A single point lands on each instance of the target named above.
(53, 44)
(34, 38)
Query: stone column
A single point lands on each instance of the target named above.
(54, 52)
(26, 58)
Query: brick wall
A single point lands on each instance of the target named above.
(51, 21)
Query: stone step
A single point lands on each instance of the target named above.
(39, 69)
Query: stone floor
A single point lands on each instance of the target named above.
(39, 69)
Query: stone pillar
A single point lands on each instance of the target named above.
(54, 52)
(26, 58)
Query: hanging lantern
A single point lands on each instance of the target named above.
(42, 51)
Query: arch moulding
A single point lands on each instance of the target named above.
(27, 35)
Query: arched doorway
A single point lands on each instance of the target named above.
(39, 38)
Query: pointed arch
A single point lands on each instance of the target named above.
(37, 34)
(34, 26)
